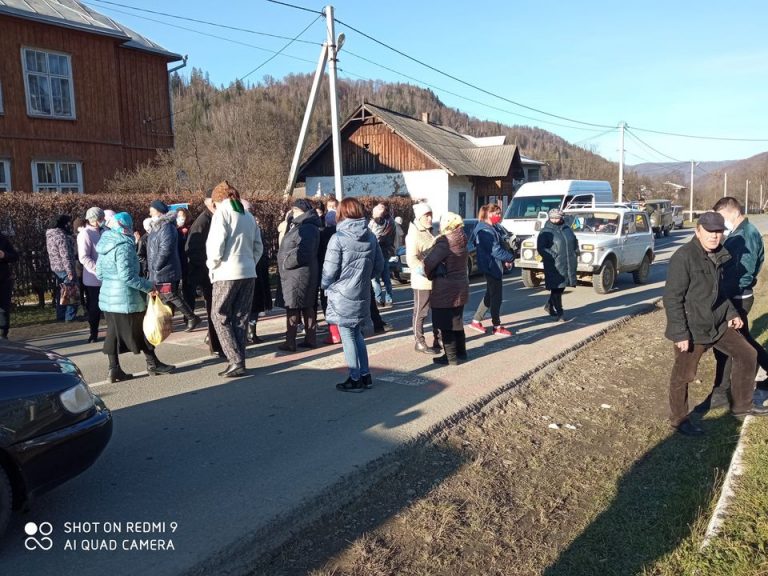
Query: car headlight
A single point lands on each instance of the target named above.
(587, 257)
(77, 399)
(528, 244)
(528, 254)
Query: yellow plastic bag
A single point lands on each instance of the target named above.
(158, 320)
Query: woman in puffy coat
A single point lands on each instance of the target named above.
(62, 255)
(299, 274)
(122, 298)
(559, 251)
(353, 258)
(446, 265)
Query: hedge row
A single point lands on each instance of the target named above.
(25, 218)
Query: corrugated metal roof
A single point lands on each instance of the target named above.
(73, 14)
(495, 161)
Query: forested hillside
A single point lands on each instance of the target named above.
(247, 134)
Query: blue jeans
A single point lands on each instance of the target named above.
(385, 276)
(63, 313)
(355, 352)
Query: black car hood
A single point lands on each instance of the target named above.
(17, 358)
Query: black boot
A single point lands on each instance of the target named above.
(117, 375)
(252, 337)
(290, 338)
(449, 345)
(367, 381)
(155, 367)
(461, 344)
(234, 370)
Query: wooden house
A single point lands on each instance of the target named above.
(385, 153)
(81, 97)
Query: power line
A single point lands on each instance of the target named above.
(297, 7)
(444, 90)
(471, 85)
(264, 63)
(214, 36)
(700, 137)
(643, 143)
(206, 22)
(418, 81)
(596, 136)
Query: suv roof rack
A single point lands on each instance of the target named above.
(581, 205)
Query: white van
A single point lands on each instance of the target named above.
(535, 197)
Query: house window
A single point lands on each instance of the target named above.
(48, 81)
(57, 176)
(533, 175)
(5, 175)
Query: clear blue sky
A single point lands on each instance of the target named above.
(678, 66)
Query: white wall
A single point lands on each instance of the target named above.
(430, 185)
(456, 185)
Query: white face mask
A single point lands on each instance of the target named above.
(180, 221)
(729, 226)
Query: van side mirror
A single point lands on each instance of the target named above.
(537, 226)
(543, 215)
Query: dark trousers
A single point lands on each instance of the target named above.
(189, 292)
(293, 317)
(230, 309)
(94, 312)
(175, 300)
(213, 338)
(450, 323)
(378, 323)
(420, 312)
(556, 301)
(492, 300)
(743, 357)
(724, 368)
(6, 290)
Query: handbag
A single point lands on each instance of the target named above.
(439, 271)
(69, 295)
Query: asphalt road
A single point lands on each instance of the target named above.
(221, 458)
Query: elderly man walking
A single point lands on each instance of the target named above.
(699, 317)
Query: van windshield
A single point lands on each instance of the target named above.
(530, 206)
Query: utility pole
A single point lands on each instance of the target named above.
(333, 50)
(305, 123)
(761, 199)
(328, 56)
(725, 186)
(692, 166)
(746, 200)
(622, 126)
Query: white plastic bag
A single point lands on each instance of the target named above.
(158, 320)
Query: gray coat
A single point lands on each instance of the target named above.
(352, 259)
(559, 251)
(297, 261)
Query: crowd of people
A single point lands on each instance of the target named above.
(335, 256)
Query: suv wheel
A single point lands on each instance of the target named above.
(6, 500)
(603, 281)
(667, 230)
(530, 278)
(640, 276)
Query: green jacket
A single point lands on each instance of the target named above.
(697, 307)
(745, 245)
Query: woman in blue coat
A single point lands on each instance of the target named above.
(559, 251)
(353, 258)
(122, 298)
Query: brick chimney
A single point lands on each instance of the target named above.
(425, 117)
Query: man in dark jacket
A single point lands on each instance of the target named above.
(198, 270)
(745, 245)
(163, 262)
(8, 256)
(699, 317)
(300, 274)
(559, 251)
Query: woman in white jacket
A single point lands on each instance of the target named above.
(232, 249)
